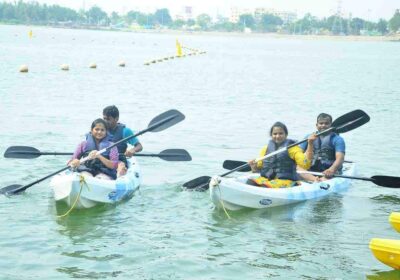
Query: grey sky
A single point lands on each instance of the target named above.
(367, 9)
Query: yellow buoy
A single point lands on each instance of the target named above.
(121, 64)
(65, 67)
(23, 68)
(30, 33)
(178, 48)
(93, 65)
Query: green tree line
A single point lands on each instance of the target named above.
(34, 13)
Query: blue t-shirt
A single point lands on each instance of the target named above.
(128, 132)
(337, 143)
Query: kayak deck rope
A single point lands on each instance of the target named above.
(221, 201)
(82, 182)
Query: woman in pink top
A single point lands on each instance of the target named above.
(99, 165)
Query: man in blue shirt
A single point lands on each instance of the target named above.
(329, 150)
(117, 131)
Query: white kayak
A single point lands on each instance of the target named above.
(82, 191)
(235, 194)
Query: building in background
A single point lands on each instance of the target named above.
(237, 12)
(286, 16)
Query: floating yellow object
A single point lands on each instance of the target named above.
(93, 65)
(394, 220)
(386, 251)
(23, 68)
(30, 33)
(65, 67)
(178, 49)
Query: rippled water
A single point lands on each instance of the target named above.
(230, 97)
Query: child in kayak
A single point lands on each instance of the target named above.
(279, 171)
(101, 166)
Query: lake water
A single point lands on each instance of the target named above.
(230, 96)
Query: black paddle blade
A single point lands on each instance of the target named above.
(22, 152)
(232, 164)
(175, 155)
(199, 182)
(350, 121)
(386, 181)
(166, 119)
(9, 190)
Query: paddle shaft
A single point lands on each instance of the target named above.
(70, 154)
(337, 175)
(40, 180)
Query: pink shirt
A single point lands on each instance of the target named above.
(114, 156)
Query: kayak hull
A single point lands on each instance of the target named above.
(235, 194)
(82, 191)
(387, 251)
(394, 220)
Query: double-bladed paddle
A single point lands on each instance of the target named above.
(159, 123)
(343, 124)
(26, 152)
(232, 164)
(380, 180)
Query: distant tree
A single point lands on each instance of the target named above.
(7, 11)
(226, 26)
(190, 22)
(270, 23)
(177, 24)
(163, 17)
(97, 16)
(308, 23)
(356, 25)
(247, 20)
(204, 21)
(115, 18)
(382, 26)
(394, 22)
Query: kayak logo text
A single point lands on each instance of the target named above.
(265, 201)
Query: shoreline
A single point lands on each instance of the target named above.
(381, 38)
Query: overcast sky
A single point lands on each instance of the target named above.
(367, 9)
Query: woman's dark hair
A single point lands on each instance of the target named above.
(97, 121)
(111, 111)
(278, 124)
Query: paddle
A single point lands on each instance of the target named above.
(380, 180)
(26, 152)
(159, 123)
(232, 164)
(342, 124)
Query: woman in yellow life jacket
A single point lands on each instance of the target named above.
(279, 171)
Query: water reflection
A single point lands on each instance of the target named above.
(89, 249)
(384, 275)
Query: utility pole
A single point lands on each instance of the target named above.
(337, 26)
